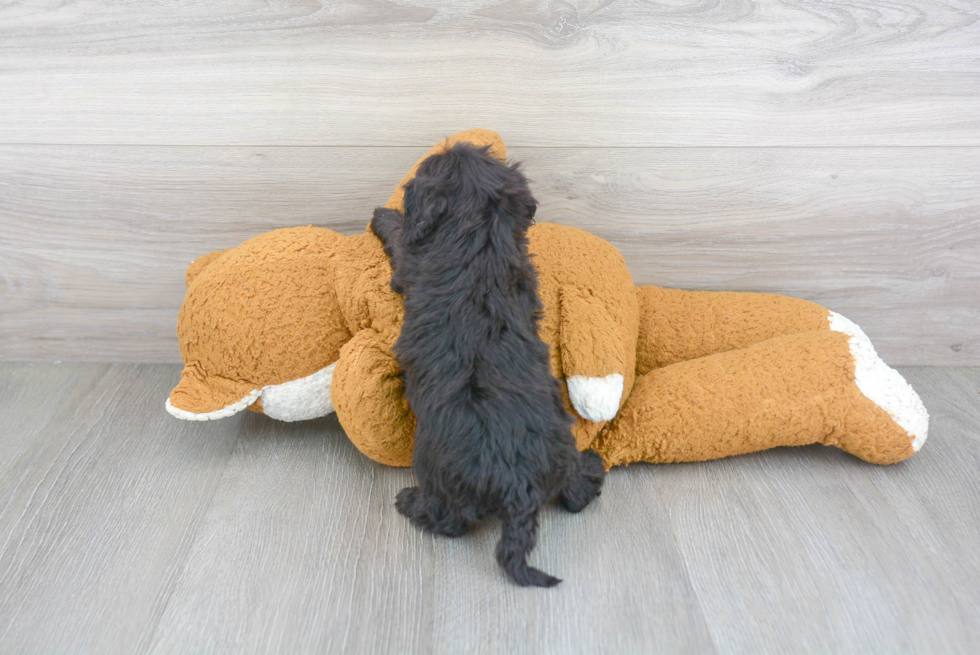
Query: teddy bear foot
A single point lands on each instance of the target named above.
(897, 424)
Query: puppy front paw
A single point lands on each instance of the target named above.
(407, 501)
(596, 399)
(387, 226)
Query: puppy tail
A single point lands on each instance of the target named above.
(516, 540)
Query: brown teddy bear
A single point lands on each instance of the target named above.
(300, 322)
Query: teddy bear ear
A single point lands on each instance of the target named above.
(199, 264)
(198, 397)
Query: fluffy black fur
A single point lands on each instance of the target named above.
(493, 438)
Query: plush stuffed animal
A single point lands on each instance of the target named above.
(300, 322)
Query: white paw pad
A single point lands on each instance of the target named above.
(596, 399)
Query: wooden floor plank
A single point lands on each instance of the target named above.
(625, 587)
(124, 530)
(936, 497)
(888, 237)
(302, 551)
(30, 396)
(99, 510)
(581, 72)
(785, 558)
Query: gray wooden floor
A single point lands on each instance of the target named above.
(123, 530)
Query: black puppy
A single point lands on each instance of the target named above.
(493, 437)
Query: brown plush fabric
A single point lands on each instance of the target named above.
(591, 308)
(790, 390)
(367, 387)
(200, 264)
(262, 313)
(706, 375)
(363, 276)
(678, 326)
(370, 401)
(591, 316)
(200, 392)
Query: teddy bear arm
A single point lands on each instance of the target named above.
(590, 319)
(369, 399)
(597, 336)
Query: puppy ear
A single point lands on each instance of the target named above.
(517, 205)
(426, 205)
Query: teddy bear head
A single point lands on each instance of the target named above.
(262, 324)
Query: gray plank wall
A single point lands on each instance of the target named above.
(821, 149)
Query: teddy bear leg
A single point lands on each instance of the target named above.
(791, 390)
(677, 326)
(369, 399)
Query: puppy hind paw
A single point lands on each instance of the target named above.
(429, 515)
(596, 399)
(450, 526)
(587, 485)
